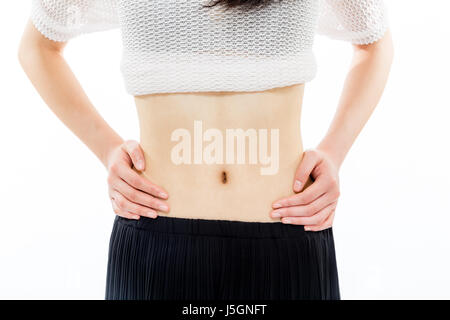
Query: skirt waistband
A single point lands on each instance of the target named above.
(220, 228)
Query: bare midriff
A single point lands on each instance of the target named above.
(187, 140)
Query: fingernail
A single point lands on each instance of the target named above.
(163, 207)
(136, 217)
(163, 195)
(276, 214)
(151, 214)
(286, 220)
(140, 164)
(307, 228)
(297, 185)
(276, 205)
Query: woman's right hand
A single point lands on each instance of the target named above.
(133, 196)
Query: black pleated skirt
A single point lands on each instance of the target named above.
(195, 259)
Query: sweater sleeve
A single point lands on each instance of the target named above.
(62, 20)
(356, 21)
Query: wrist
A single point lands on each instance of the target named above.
(111, 148)
(332, 154)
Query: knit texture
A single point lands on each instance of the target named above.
(181, 46)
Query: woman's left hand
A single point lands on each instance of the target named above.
(313, 207)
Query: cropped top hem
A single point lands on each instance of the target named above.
(244, 75)
(181, 46)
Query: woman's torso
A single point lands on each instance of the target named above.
(187, 140)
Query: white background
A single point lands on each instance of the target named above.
(392, 223)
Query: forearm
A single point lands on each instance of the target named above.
(362, 90)
(59, 88)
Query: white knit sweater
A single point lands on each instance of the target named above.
(181, 46)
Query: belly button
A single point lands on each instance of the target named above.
(224, 177)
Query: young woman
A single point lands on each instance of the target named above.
(218, 200)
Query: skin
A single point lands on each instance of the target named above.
(245, 194)
(305, 191)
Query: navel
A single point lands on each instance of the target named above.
(224, 177)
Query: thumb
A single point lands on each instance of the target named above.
(136, 154)
(306, 166)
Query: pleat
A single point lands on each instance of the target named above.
(180, 259)
(224, 270)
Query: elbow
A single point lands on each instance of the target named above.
(27, 52)
(23, 55)
(30, 55)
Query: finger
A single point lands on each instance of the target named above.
(307, 164)
(136, 154)
(139, 197)
(316, 219)
(126, 206)
(327, 224)
(138, 182)
(121, 213)
(315, 190)
(305, 210)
